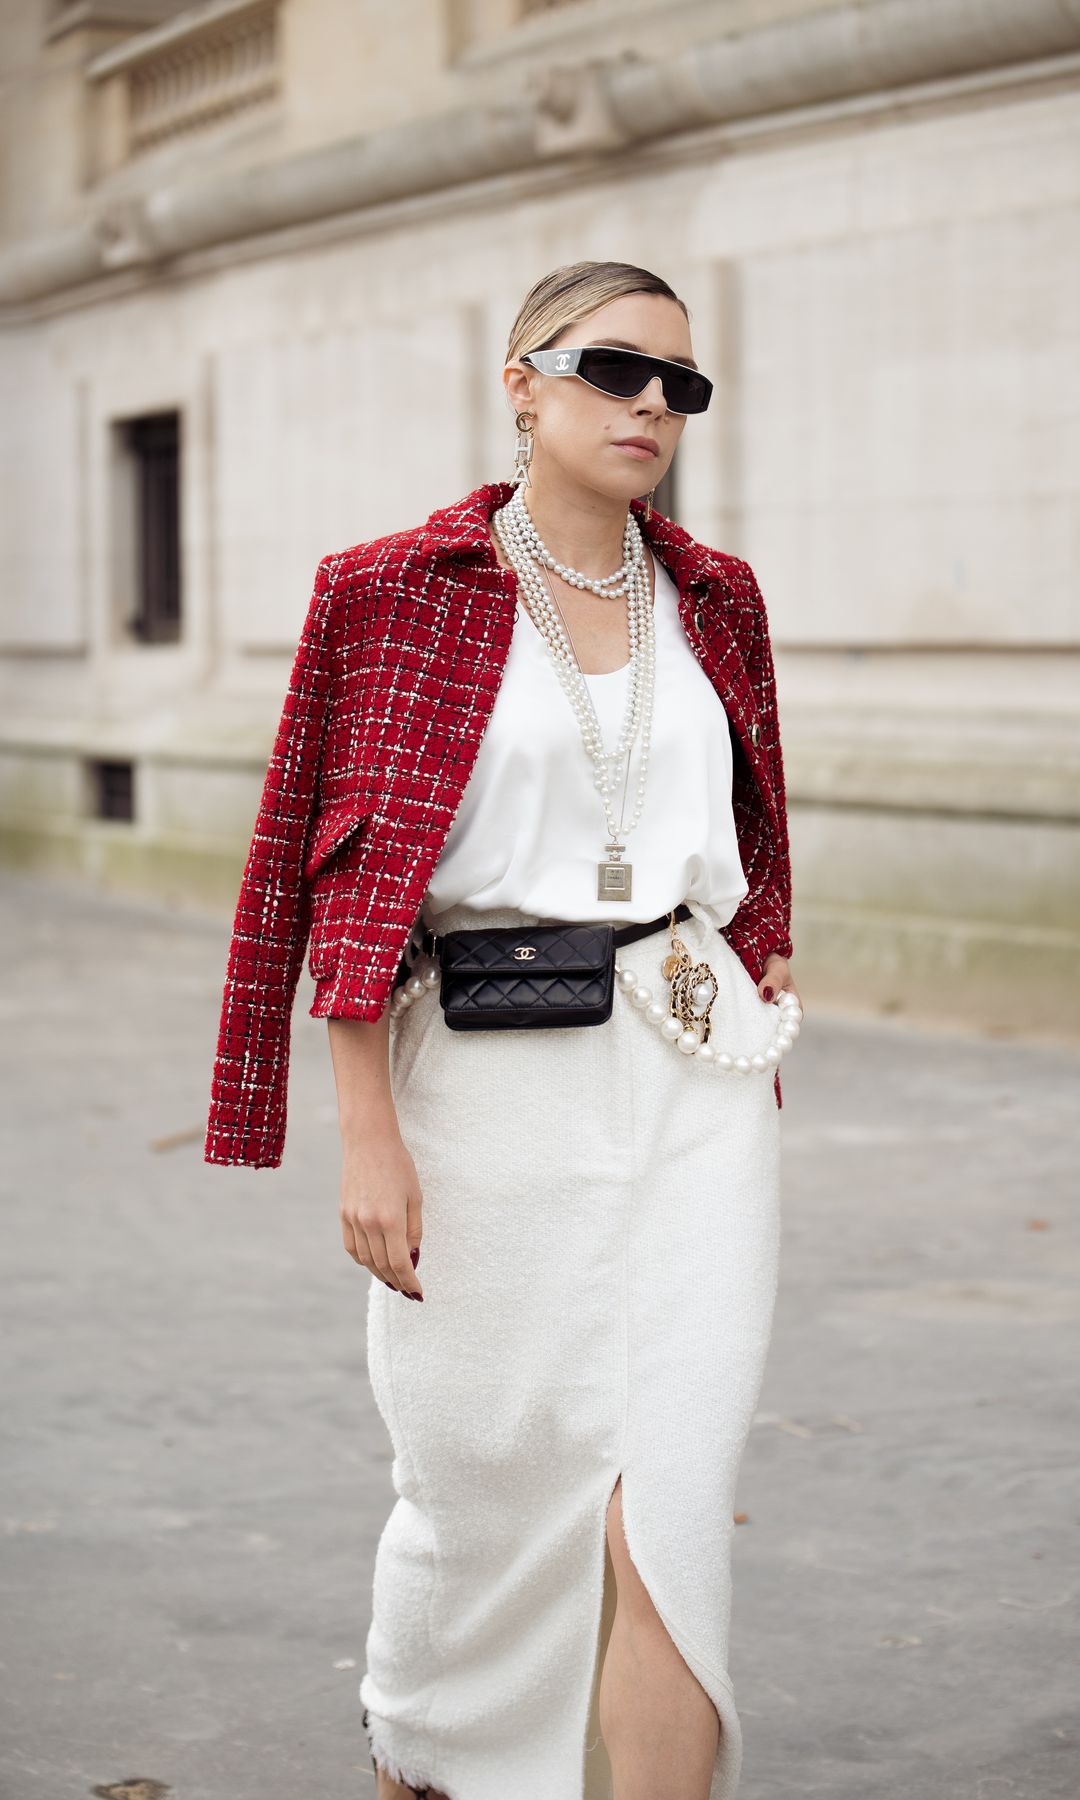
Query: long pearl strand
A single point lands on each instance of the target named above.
(427, 975)
(524, 548)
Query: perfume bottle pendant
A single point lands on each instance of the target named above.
(613, 877)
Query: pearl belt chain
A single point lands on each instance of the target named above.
(428, 974)
(686, 1039)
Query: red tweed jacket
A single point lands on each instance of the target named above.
(395, 676)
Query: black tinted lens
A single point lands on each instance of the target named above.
(622, 373)
(615, 371)
(695, 390)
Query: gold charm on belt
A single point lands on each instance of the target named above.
(688, 980)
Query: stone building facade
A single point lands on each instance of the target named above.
(258, 262)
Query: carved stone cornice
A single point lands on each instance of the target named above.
(102, 15)
(598, 109)
(193, 70)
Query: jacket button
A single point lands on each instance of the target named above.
(755, 733)
(699, 623)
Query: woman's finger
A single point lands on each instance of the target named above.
(774, 978)
(348, 1237)
(414, 1224)
(380, 1258)
(402, 1266)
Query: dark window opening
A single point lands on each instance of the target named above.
(153, 444)
(112, 786)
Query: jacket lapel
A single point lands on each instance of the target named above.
(720, 630)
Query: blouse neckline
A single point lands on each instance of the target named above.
(600, 674)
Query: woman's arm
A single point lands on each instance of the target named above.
(773, 908)
(381, 1201)
(249, 1086)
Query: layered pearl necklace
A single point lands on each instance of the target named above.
(528, 555)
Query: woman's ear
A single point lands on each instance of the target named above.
(517, 380)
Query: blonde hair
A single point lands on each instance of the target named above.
(571, 293)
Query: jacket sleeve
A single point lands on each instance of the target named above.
(272, 920)
(763, 923)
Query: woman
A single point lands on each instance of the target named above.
(548, 704)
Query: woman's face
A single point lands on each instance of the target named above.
(577, 428)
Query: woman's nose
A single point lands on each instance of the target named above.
(652, 393)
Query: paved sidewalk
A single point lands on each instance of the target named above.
(195, 1475)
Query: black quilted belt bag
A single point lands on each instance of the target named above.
(510, 976)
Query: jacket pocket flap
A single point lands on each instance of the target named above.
(571, 950)
(331, 827)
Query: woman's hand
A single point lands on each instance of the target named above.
(380, 1193)
(380, 1209)
(776, 979)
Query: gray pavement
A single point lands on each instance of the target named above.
(195, 1476)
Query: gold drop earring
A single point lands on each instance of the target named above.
(648, 502)
(523, 453)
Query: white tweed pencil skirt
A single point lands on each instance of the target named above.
(601, 1231)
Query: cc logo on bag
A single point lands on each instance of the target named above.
(524, 952)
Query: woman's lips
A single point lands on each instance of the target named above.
(636, 450)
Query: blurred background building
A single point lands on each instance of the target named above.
(258, 263)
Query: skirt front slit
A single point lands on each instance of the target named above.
(599, 1259)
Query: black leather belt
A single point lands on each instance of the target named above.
(624, 934)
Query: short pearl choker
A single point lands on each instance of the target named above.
(518, 522)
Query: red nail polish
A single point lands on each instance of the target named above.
(414, 1257)
(768, 993)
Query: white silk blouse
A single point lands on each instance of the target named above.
(530, 828)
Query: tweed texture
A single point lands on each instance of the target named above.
(601, 1230)
(394, 679)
